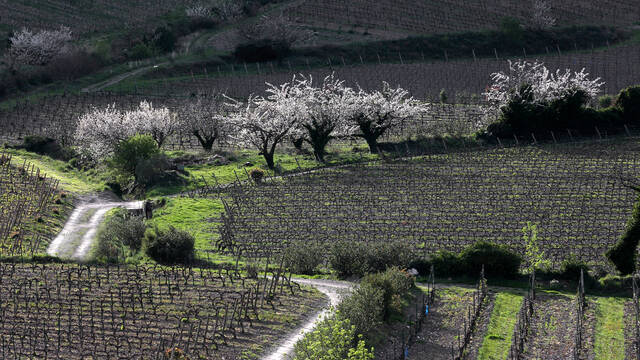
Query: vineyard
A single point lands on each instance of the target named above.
(463, 80)
(447, 202)
(26, 197)
(71, 311)
(320, 179)
(448, 16)
(82, 16)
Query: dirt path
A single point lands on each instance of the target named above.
(116, 79)
(334, 290)
(77, 237)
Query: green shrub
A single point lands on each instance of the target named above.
(303, 257)
(364, 308)
(149, 171)
(119, 236)
(605, 101)
(169, 246)
(383, 255)
(130, 151)
(623, 253)
(262, 51)
(139, 158)
(47, 146)
(358, 258)
(512, 30)
(629, 103)
(497, 260)
(333, 339)
(447, 263)
(394, 283)
(348, 258)
(571, 266)
(140, 52)
(256, 175)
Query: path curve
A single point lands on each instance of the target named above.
(116, 79)
(77, 236)
(335, 291)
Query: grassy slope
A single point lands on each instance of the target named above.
(71, 180)
(609, 341)
(194, 216)
(497, 341)
(199, 175)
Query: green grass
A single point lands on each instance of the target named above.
(199, 175)
(194, 216)
(609, 342)
(497, 341)
(71, 179)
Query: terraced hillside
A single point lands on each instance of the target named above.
(82, 16)
(445, 16)
(573, 193)
(618, 67)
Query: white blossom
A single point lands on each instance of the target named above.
(376, 112)
(198, 11)
(542, 17)
(277, 28)
(544, 85)
(99, 131)
(38, 48)
(160, 123)
(206, 119)
(264, 123)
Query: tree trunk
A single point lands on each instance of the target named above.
(205, 141)
(297, 143)
(268, 157)
(372, 141)
(319, 138)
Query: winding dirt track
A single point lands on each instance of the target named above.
(334, 290)
(77, 237)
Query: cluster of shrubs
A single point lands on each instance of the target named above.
(347, 258)
(379, 296)
(123, 236)
(359, 259)
(522, 117)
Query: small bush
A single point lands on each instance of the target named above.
(497, 260)
(447, 263)
(47, 146)
(150, 170)
(348, 258)
(140, 52)
(303, 257)
(256, 175)
(381, 256)
(605, 101)
(132, 152)
(119, 236)
(570, 268)
(395, 283)
(364, 308)
(623, 253)
(358, 258)
(170, 246)
(262, 51)
(333, 339)
(629, 103)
